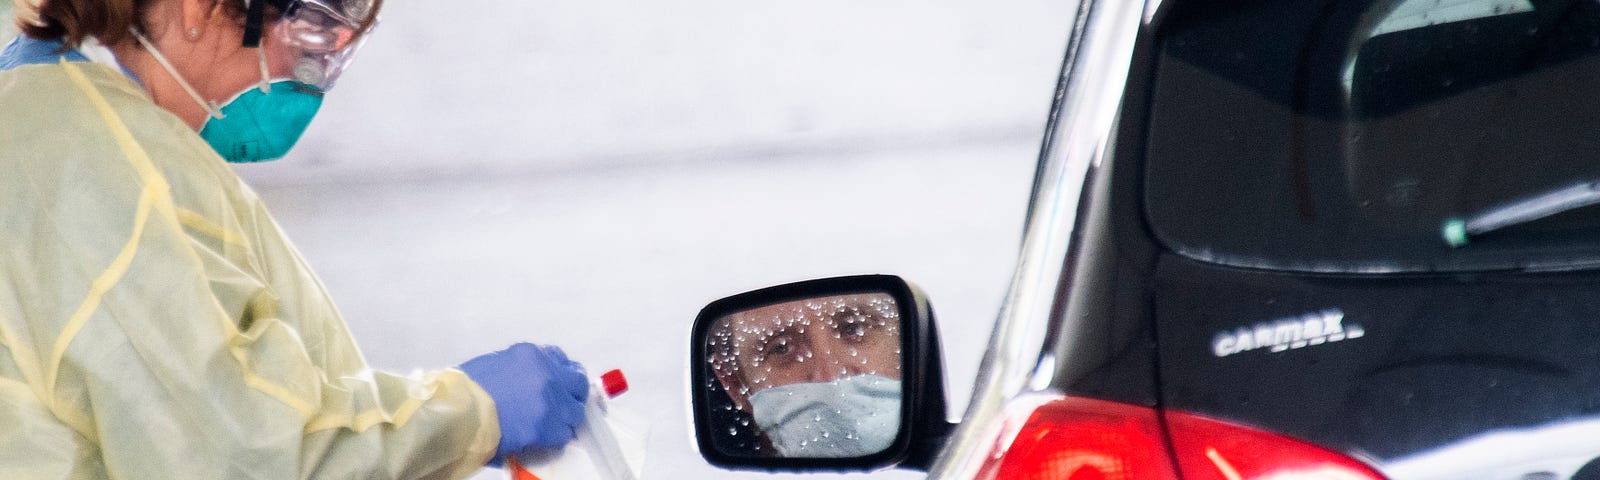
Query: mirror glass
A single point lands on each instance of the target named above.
(810, 378)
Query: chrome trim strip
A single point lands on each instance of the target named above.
(1094, 74)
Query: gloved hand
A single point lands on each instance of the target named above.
(538, 393)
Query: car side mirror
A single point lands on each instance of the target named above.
(833, 374)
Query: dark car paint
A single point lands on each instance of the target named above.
(1101, 333)
(1445, 357)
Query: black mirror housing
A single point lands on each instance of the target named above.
(922, 428)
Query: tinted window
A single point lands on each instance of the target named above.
(1411, 135)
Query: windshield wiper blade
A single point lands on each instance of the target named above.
(1457, 230)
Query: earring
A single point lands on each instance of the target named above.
(194, 33)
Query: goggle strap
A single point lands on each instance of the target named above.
(254, 17)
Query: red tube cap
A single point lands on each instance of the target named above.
(614, 382)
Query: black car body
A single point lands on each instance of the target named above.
(1307, 239)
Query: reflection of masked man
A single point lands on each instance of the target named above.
(848, 417)
(821, 377)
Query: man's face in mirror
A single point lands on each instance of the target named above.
(818, 377)
(807, 341)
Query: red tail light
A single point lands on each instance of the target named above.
(1212, 450)
(1085, 439)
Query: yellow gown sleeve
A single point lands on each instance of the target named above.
(155, 312)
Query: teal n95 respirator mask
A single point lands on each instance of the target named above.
(261, 124)
(265, 120)
(849, 417)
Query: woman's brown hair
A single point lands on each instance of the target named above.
(73, 20)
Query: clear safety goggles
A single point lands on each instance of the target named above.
(322, 36)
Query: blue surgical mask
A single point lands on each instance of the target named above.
(849, 417)
(258, 124)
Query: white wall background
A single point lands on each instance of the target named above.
(591, 173)
(474, 86)
(7, 28)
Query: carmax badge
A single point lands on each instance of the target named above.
(1300, 331)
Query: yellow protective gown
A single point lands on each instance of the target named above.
(156, 324)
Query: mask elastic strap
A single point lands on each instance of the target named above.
(210, 107)
(261, 54)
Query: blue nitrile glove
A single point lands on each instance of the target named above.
(538, 393)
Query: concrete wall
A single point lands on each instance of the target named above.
(475, 86)
(8, 28)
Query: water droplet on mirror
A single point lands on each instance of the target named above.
(733, 432)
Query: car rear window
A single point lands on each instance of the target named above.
(1415, 135)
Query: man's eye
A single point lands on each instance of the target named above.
(779, 348)
(853, 330)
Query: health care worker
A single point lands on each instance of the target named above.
(154, 322)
